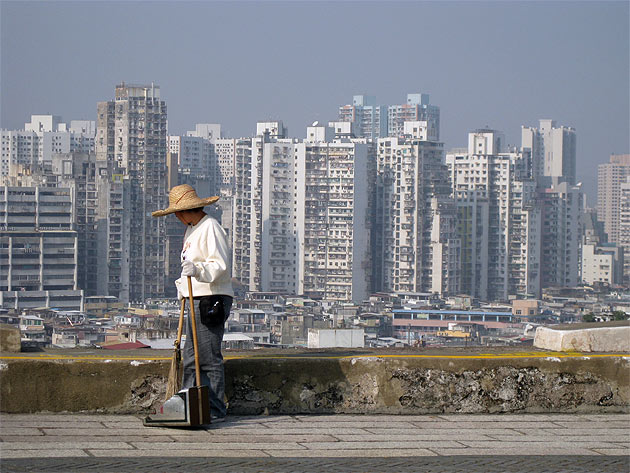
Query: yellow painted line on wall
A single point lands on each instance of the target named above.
(479, 356)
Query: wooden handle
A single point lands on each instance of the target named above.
(180, 326)
(194, 330)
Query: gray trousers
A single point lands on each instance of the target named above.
(209, 337)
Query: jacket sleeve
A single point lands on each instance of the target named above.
(217, 258)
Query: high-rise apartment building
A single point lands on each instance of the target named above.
(416, 246)
(623, 238)
(562, 210)
(610, 177)
(553, 150)
(43, 137)
(38, 247)
(333, 200)
(496, 218)
(416, 109)
(301, 218)
(131, 136)
(247, 212)
(370, 119)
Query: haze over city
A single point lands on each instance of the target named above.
(494, 64)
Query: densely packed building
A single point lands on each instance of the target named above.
(369, 203)
(131, 136)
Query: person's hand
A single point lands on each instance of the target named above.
(188, 269)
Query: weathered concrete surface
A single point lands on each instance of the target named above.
(77, 386)
(358, 384)
(420, 386)
(10, 339)
(588, 338)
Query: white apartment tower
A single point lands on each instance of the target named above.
(562, 210)
(43, 137)
(496, 219)
(370, 119)
(131, 136)
(416, 247)
(416, 109)
(623, 238)
(301, 221)
(610, 177)
(553, 150)
(334, 178)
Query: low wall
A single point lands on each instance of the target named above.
(361, 384)
(586, 337)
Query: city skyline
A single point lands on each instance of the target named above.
(501, 65)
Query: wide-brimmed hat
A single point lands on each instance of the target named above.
(184, 197)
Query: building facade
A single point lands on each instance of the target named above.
(416, 246)
(553, 150)
(416, 109)
(131, 136)
(370, 120)
(38, 248)
(610, 177)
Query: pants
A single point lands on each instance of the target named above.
(209, 339)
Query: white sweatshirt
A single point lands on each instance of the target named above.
(206, 246)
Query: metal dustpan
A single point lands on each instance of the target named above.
(189, 407)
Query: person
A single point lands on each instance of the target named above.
(205, 257)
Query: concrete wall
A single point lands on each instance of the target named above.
(393, 385)
(607, 338)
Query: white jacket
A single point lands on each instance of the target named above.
(205, 244)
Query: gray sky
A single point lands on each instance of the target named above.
(497, 64)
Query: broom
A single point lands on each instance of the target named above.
(175, 375)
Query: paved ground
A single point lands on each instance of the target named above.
(488, 443)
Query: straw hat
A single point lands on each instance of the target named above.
(184, 197)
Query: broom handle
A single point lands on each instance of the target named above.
(180, 326)
(194, 330)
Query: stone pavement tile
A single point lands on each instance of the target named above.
(413, 437)
(184, 446)
(367, 418)
(574, 432)
(11, 423)
(588, 425)
(375, 452)
(613, 451)
(350, 424)
(82, 445)
(518, 451)
(576, 437)
(368, 446)
(453, 430)
(510, 417)
(606, 417)
(19, 431)
(246, 438)
(490, 425)
(188, 453)
(43, 453)
(113, 432)
(526, 446)
(46, 439)
(78, 418)
(304, 430)
(259, 419)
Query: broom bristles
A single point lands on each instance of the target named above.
(174, 375)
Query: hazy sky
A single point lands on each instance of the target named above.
(496, 64)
